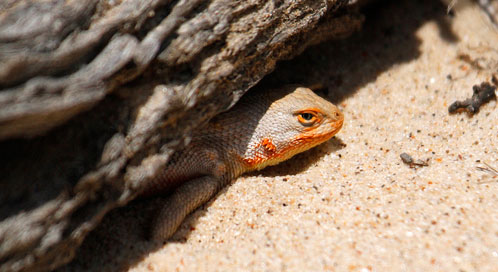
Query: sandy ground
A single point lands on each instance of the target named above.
(352, 204)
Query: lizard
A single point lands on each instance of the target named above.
(262, 129)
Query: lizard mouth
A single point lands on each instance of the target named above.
(337, 125)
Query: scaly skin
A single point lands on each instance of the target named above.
(262, 129)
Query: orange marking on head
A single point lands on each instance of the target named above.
(301, 143)
(268, 144)
(311, 110)
(304, 141)
(270, 150)
(253, 162)
(307, 138)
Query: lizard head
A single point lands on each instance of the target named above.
(300, 120)
(315, 119)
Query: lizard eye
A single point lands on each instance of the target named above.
(307, 118)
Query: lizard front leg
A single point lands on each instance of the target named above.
(184, 200)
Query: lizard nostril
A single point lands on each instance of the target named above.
(338, 115)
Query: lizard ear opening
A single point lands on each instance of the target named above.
(308, 118)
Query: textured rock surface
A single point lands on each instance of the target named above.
(95, 96)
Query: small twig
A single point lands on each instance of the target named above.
(482, 94)
(488, 169)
